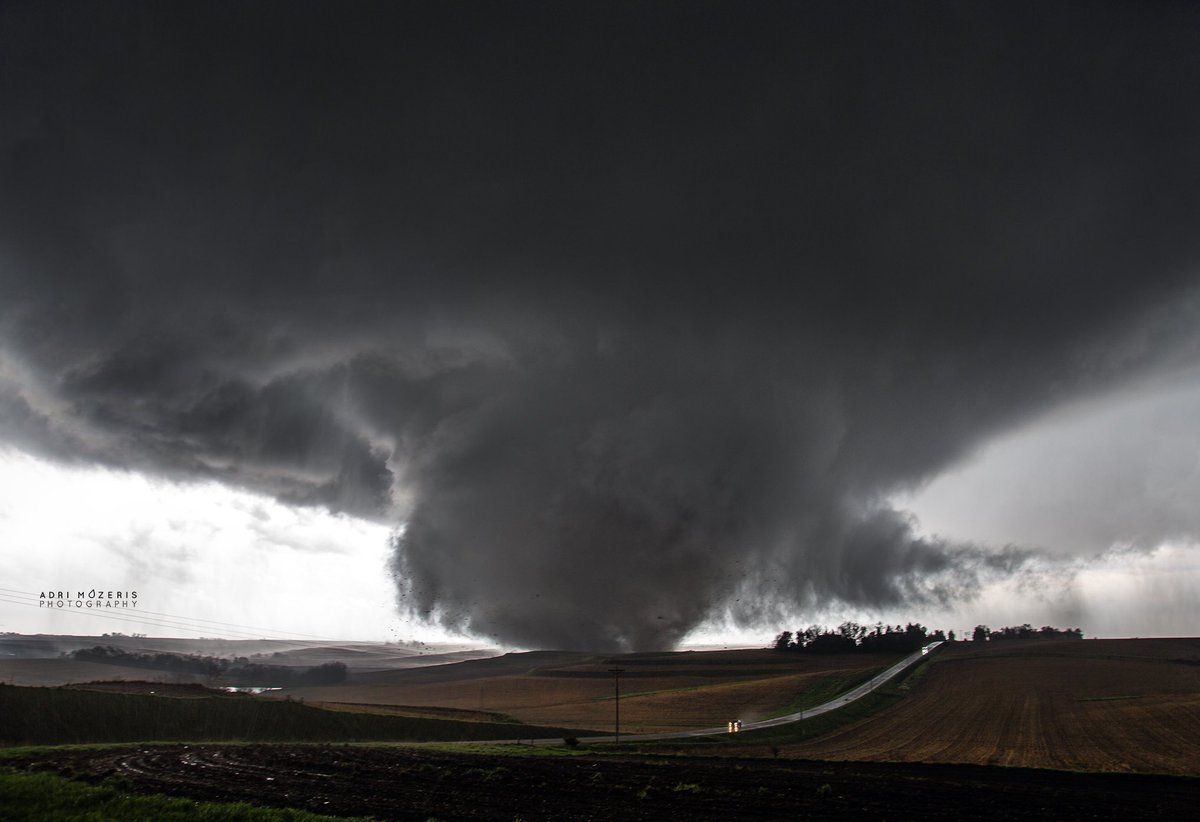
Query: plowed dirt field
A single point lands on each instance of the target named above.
(1096, 705)
(415, 784)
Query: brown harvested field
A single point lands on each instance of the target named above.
(1095, 705)
(40, 673)
(659, 692)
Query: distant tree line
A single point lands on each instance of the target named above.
(238, 671)
(852, 637)
(983, 634)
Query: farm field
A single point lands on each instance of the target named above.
(41, 660)
(1091, 705)
(39, 673)
(925, 747)
(410, 783)
(659, 692)
(41, 716)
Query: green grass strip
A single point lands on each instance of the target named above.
(825, 689)
(38, 797)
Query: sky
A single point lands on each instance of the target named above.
(599, 325)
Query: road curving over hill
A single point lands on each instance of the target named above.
(841, 701)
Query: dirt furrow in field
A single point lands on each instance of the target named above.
(415, 784)
(1066, 705)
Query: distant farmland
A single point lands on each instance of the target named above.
(917, 749)
(53, 716)
(659, 692)
(1095, 705)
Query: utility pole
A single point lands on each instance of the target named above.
(616, 672)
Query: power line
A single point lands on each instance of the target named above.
(168, 620)
(235, 625)
(161, 623)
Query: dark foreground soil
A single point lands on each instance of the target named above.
(414, 784)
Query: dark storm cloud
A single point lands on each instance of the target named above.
(631, 312)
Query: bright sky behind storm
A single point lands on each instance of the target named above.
(601, 325)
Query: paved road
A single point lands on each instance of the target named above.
(808, 713)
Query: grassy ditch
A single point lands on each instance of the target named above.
(42, 797)
(825, 689)
(56, 716)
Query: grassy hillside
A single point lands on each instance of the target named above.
(51, 716)
(37, 673)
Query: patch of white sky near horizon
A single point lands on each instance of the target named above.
(1121, 592)
(206, 559)
(1110, 490)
